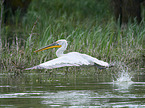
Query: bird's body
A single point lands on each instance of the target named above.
(69, 59)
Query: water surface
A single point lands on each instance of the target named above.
(34, 89)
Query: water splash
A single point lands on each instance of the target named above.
(123, 79)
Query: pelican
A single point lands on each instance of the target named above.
(69, 59)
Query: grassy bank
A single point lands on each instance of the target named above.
(87, 26)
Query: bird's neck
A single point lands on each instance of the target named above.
(60, 51)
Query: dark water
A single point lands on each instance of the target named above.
(76, 89)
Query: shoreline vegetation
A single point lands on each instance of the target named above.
(88, 27)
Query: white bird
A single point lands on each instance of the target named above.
(69, 59)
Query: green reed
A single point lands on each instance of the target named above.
(95, 33)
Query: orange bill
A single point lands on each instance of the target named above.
(54, 45)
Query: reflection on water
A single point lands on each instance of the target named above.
(77, 89)
(68, 97)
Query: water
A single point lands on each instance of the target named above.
(74, 90)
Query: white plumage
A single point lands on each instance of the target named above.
(69, 59)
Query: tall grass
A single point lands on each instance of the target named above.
(87, 27)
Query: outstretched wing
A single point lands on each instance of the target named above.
(70, 59)
(94, 61)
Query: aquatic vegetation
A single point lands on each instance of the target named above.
(94, 33)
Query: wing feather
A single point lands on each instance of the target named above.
(70, 59)
(95, 61)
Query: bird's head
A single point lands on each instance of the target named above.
(57, 44)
